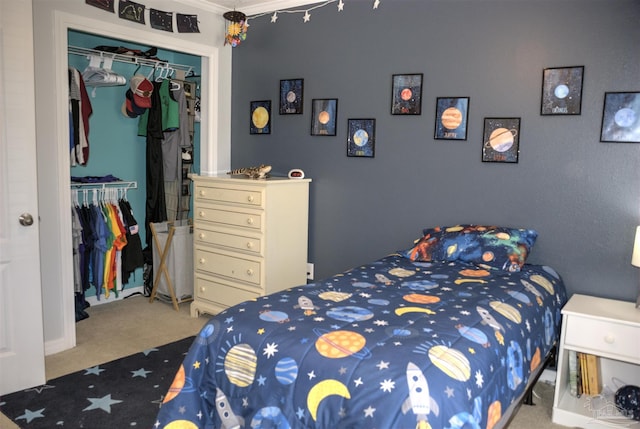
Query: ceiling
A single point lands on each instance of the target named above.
(249, 7)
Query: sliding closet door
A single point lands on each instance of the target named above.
(21, 332)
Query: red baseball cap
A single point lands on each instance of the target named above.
(142, 89)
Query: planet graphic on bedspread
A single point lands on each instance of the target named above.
(286, 370)
(450, 361)
(340, 344)
(507, 311)
(240, 365)
(546, 284)
(350, 314)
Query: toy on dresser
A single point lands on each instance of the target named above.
(260, 172)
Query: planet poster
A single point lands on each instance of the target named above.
(361, 140)
(324, 113)
(621, 117)
(451, 118)
(260, 120)
(291, 96)
(406, 94)
(562, 91)
(501, 140)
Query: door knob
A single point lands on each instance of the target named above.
(25, 219)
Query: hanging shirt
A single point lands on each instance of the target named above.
(79, 112)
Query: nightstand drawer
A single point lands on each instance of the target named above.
(226, 195)
(230, 240)
(233, 267)
(229, 218)
(601, 336)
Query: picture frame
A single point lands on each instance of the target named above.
(562, 90)
(291, 96)
(621, 117)
(452, 114)
(406, 94)
(260, 117)
(324, 114)
(501, 140)
(361, 138)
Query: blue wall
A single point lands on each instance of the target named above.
(580, 194)
(115, 148)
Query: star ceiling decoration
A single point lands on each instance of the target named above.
(307, 12)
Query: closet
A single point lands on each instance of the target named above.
(118, 143)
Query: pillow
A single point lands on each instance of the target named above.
(492, 247)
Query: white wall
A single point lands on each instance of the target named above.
(52, 19)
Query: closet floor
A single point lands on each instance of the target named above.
(118, 329)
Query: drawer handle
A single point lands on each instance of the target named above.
(250, 198)
(249, 221)
(201, 213)
(249, 272)
(202, 192)
(202, 261)
(201, 235)
(202, 289)
(609, 339)
(249, 244)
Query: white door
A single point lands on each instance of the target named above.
(21, 331)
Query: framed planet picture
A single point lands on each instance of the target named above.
(324, 113)
(291, 96)
(406, 94)
(562, 91)
(361, 138)
(451, 118)
(621, 117)
(501, 140)
(260, 117)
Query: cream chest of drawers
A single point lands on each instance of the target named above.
(606, 328)
(250, 239)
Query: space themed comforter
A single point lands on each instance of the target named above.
(390, 344)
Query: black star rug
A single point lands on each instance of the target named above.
(124, 393)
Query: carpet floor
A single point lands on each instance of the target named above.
(123, 393)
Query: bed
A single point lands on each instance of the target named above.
(448, 333)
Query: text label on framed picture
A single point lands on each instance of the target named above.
(361, 138)
(451, 118)
(501, 140)
(324, 113)
(291, 96)
(562, 90)
(406, 94)
(260, 117)
(621, 117)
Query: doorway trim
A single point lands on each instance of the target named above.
(210, 68)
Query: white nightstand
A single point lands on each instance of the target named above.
(609, 329)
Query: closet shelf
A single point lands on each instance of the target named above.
(104, 185)
(129, 59)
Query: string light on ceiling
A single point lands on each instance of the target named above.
(307, 12)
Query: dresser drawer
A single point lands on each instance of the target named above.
(229, 195)
(226, 239)
(233, 267)
(603, 337)
(227, 295)
(229, 217)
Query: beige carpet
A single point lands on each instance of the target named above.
(124, 327)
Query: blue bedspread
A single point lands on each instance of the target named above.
(391, 344)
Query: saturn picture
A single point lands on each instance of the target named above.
(501, 140)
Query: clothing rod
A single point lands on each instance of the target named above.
(128, 59)
(104, 185)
